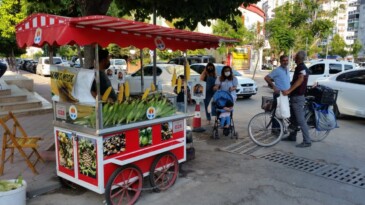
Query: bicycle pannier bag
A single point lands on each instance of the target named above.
(282, 109)
(325, 117)
(267, 103)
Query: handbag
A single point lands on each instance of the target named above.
(325, 118)
(282, 109)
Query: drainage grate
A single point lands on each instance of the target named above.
(335, 172)
(294, 162)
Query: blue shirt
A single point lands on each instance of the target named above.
(281, 77)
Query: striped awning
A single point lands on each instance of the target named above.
(40, 29)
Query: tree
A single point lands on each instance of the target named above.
(338, 46)
(356, 48)
(303, 28)
(11, 13)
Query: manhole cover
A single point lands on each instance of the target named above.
(335, 172)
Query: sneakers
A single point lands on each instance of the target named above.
(304, 144)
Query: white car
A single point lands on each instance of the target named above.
(351, 92)
(118, 65)
(43, 66)
(246, 86)
(164, 74)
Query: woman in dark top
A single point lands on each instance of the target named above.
(208, 75)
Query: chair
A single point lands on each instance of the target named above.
(11, 140)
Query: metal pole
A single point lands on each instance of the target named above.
(185, 84)
(98, 106)
(142, 70)
(154, 50)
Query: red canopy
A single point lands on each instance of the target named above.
(40, 29)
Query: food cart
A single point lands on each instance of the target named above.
(110, 147)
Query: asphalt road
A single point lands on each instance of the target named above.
(329, 172)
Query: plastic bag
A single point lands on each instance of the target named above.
(282, 109)
(325, 117)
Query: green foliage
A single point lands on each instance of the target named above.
(188, 12)
(338, 46)
(67, 51)
(299, 25)
(356, 48)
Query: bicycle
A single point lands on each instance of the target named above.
(263, 133)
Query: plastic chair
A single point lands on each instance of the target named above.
(11, 141)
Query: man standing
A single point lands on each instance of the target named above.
(281, 77)
(297, 100)
(104, 63)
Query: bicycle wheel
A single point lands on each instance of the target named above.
(315, 135)
(262, 132)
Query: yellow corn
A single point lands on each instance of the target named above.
(144, 96)
(187, 71)
(173, 80)
(179, 82)
(126, 89)
(106, 94)
(121, 93)
(153, 87)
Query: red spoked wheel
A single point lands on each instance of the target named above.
(164, 171)
(124, 185)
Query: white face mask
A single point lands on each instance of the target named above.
(227, 73)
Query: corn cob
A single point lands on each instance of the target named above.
(179, 82)
(187, 72)
(153, 87)
(106, 94)
(144, 96)
(126, 90)
(121, 93)
(173, 80)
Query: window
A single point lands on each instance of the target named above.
(317, 69)
(348, 67)
(148, 71)
(356, 77)
(335, 68)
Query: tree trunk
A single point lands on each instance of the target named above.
(95, 7)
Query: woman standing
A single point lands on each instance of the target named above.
(227, 82)
(208, 75)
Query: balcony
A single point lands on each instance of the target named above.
(357, 11)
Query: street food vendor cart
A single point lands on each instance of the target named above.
(110, 147)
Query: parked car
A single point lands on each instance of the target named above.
(164, 74)
(118, 65)
(320, 69)
(351, 92)
(43, 67)
(193, 59)
(246, 86)
(27, 65)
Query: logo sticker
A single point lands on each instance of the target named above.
(38, 36)
(72, 111)
(159, 43)
(151, 113)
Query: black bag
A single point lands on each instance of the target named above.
(323, 94)
(3, 68)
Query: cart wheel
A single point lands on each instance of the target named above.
(164, 171)
(124, 185)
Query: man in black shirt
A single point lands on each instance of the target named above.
(297, 100)
(104, 63)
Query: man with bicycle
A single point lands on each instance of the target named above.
(297, 100)
(281, 77)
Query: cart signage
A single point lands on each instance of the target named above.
(178, 126)
(61, 111)
(197, 93)
(38, 36)
(62, 83)
(72, 112)
(159, 43)
(87, 159)
(151, 113)
(65, 152)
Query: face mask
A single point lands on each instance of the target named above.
(210, 70)
(227, 73)
(107, 65)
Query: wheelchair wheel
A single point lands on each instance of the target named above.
(262, 132)
(315, 135)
